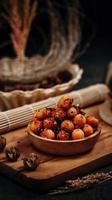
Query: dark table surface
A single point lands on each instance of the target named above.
(94, 62)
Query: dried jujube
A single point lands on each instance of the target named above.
(77, 134)
(65, 102)
(49, 123)
(72, 112)
(36, 126)
(67, 125)
(79, 121)
(93, 121)
(88, 130)
(59, 114)
(48, 133)
(42, 113)
(63, 135)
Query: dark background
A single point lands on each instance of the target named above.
(95, 25)
(94, 61)
(96, 58)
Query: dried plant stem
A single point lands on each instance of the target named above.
(20, 23)
(82, 183)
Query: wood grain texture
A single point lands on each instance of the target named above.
(53, 170)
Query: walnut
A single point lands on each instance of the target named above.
(31, 162)
(12, 154)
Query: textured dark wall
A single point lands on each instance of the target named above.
(100, 13)
(97, 21)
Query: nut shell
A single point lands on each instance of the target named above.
(12, 154)
(31, 162)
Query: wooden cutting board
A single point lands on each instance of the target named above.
(53, 170)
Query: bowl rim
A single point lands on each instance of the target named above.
(30, 132)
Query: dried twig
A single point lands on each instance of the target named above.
(20, 22)
(82, 183)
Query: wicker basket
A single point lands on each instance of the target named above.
(16, 98)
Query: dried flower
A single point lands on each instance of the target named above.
(20, 20)
(12, 154)
(31, 162)
(82, 183)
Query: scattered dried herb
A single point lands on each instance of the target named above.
(20, 19)
(82, 183)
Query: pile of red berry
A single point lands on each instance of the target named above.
(65, 122)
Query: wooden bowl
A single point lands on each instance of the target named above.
(57, 147)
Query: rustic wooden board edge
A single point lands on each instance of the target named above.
(42, 186)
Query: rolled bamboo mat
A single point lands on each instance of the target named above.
(19, 117)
